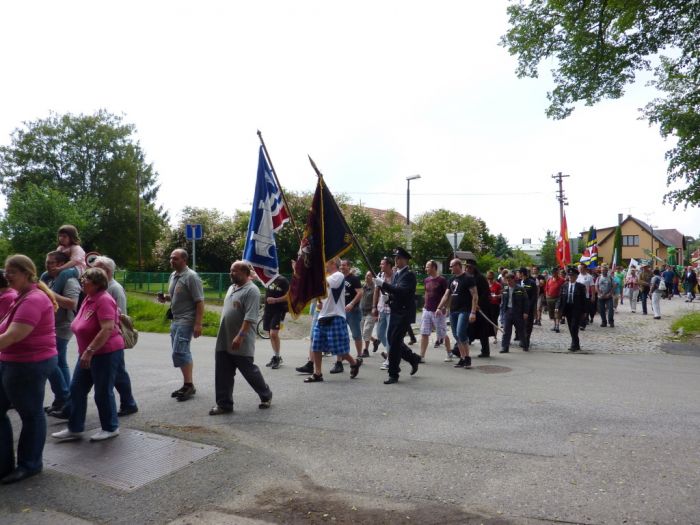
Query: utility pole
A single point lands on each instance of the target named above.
(560, 194)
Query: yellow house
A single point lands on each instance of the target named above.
(639, 241)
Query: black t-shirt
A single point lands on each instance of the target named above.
(461, 299)
(352, 283)
(277, 288)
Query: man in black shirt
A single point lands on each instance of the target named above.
(532, 290)
(275, 311)
(463, 298)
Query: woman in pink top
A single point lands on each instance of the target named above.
(7, 295)
(100, 350)
(27, 357)
(632, 288)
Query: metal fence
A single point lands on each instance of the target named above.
(215, 284)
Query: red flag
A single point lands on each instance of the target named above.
(563, 246)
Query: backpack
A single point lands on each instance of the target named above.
(662, 285)
(129, 333)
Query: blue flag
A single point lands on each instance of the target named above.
(268, 216)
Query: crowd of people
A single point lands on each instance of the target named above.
(40, 314)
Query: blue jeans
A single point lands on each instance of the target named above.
(22, 385)
(643, 296)
(101, 374)
(383, 328)
(459, 321)
(122, 384)
(354, 320)
(180, 338)
(60, 376)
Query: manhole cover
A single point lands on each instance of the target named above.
(493, 369)
(126, 462)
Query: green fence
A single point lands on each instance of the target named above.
(215, 284)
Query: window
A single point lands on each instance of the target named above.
(630, 240)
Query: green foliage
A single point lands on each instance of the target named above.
(617, 243)
(501, 248)
(690, 324)
(149, 316)
(429, 234)
(518, 260)
(5, 249)
(93, 168)
(222, 241)
(549, 250)
(599, 46)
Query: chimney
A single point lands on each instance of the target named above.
(619, 219)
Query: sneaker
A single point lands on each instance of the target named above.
(375, 345)
(337, 368)
(216, 410)
(265, 404)
(365, 353)
(67, 435)
(276, 362)
(187, 393)
(178, 391)
(460, 363)
(272, 362)
(448, 358)
(384, 356)
(437, 344)
(308, 368)
(467, 362)
(127, 411)
(104, 434)
(384, 366)
(61, 413)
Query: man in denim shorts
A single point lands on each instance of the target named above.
(186, 296)
(331, 331)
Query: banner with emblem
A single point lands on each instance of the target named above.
(589, 257)
(326, 235)
(268, 216)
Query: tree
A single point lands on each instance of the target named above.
(429, 234)
(599, 46)
(617, 244)
(501, 248)
(549, 250)
(99, 170)
(519, 259)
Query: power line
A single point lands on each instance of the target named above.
(441, 194)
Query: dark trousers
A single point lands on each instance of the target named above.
(606, 311)
(397, 348)
(527, 329)
(122, 384)
(510, 320)
(643, 296)
(574, 323)
(22, 385)
(225, 372)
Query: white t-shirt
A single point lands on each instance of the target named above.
(381, 303)
(587, 281)
(334, 304)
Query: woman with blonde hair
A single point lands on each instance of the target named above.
(27, 356)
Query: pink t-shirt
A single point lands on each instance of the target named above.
(35, 309)
(6, 299)
(86, 325)
(76, 254)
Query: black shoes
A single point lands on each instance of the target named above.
(127, 411)
(218, 411)
(505, 351)
(467, 362)
(337, 368)
(308, 368)
(186, 393)
(391, 380)
(354, 369)
(414, 366)
(18, 474)
(375, 345)
(437, 344)
(460, 363)
(482, 356)
(365, 353)
(574, 349)
(275, 362)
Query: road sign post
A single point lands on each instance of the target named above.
(454, 238)
(193, 232)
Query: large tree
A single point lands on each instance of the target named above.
(95, 168)
(599, 46)
(549, 249)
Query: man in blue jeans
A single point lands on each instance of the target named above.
(463, 298)
(59, 379)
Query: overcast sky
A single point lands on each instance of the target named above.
(373, 91)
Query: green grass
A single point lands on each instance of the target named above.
(150, 317)
(690, 324)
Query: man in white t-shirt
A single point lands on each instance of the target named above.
(586, 279)
(331, 332)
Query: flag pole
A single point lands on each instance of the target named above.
(274, 174)
(345, 223)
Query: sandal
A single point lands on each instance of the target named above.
(313, 378)
(354, 369)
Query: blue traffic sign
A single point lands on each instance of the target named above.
(193, 232)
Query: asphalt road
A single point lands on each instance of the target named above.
(555, 438)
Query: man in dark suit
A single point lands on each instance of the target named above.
(402, 301)
(515, 305)
(530, 286)
(572, 304)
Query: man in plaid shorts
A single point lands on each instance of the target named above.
(331, 331)
(434, 318)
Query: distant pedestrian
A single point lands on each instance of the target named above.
(690, 281)
(632, 288)
(655, 292)
(235, 342)
(368, 320)
(573, 305)
(515, 305)
(604, 290)
(551, 290)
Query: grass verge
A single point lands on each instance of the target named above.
(690, 324)
(150, 317)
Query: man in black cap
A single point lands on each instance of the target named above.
(530, 286)
(572, 304)
(402, 299)
(481, 329)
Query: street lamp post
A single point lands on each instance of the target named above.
(408, 209)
